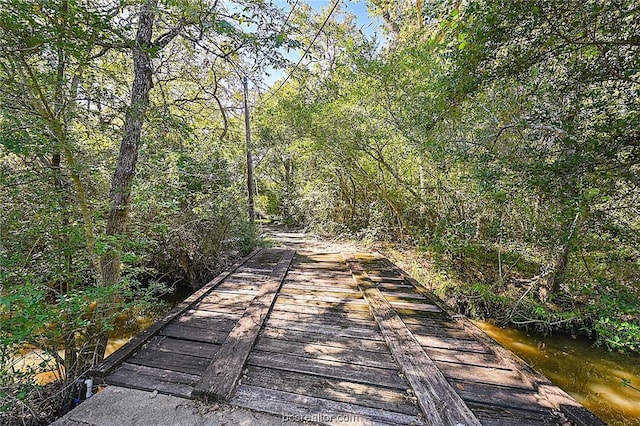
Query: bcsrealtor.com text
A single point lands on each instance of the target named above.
(321, 418)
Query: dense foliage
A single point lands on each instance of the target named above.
(499, 137)
(121, 171)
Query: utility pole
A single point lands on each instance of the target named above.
(247, 132)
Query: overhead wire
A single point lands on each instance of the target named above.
(240, 70)
(286, 21)
(333, 8)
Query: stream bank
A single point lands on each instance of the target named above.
(607, 383)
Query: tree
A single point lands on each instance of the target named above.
(502, 136)
(63, 77)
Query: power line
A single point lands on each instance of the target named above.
(333, 8)
(241, 72)
(286, 21)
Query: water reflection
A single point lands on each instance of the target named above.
(122, 333)
(593, 376)
(34, 357)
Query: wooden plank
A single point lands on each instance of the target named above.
(212, 314)
(343, 320)
(256, 271)
(219, 324)
(384, 274)
(237, 310)
(239, 306)
(454, 333)
(414, 306)
(578, 414)
(150, 379)
(293, 289)
(453, 344)
(170, 361)
(320, 282)
(332, 389)
(323, 274)
(440, 404)
(242, 276)
(179, 346)
(499, 396)
(218, 297)
(370, 333)
(116, 358)
(303, 304)
(392, 282)
(324, 368)
(551, 395)
(371, 262)
(194, 334)
(322, 266)
(481, 374)
(317, 410)
(325, 339)
(431, 322)
(401, 296)
(238, 291)
(329, 299)
(281, 305)
(329, 353)
(160, 373)
(498, 416)
(392, 289)
(403, 312)
(464, 358)
(221, 376)
(319, 292)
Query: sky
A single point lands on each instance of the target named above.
(368, 25)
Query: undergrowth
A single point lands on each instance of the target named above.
(607, 314)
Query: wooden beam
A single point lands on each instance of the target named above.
(316, 410)
(120, 355)
(440, 403)
(553, 396)
(219, 380)
(363, 394)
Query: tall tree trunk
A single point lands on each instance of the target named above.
(125, 172)
(126, 166)
(247, 130)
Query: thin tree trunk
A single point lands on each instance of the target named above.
(550, 284)
(247, 129)
(126, 166)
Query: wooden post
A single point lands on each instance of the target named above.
(247, 127)
(440, 403)
(219, 380)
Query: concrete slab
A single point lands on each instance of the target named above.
(121, 406)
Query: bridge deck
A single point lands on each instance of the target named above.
(336, 338)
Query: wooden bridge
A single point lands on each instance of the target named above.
(336, 338)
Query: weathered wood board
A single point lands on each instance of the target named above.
(336, 339)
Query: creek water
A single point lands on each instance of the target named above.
(607, 383)
(118, 337)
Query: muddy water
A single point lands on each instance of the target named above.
(118, 337)
(33, 357)
(593, 376)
